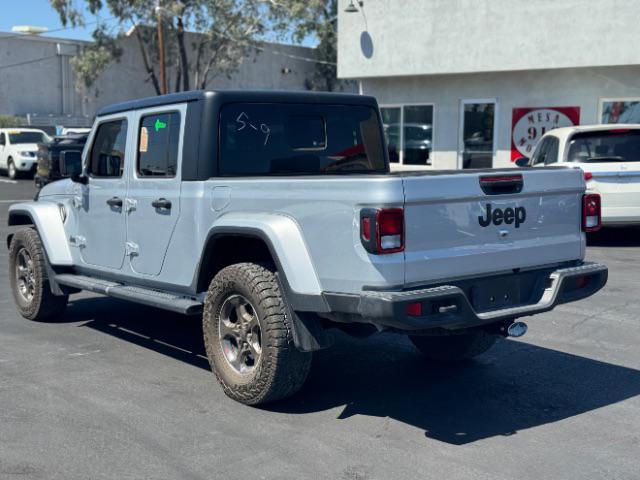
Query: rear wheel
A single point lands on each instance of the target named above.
(247, 335)
(453, 348)
(29, 282)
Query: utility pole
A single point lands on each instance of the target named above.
(163, 70)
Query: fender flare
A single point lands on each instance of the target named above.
(45, 216)
(284, 239)
(295, 271)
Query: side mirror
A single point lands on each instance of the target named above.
(522, 162)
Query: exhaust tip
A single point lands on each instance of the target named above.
(517, 329)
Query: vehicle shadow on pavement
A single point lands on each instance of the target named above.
(513, 387)
(615, 237)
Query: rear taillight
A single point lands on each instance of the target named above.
(588, 176)
(382, 230)
(591, 212)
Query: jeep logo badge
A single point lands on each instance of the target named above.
(498, 216)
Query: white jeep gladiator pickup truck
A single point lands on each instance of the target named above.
(274, 216)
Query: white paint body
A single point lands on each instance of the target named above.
(618, 183)
(23, 155)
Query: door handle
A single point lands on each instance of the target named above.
(161, 203)
(115, 202)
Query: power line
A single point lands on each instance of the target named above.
(35, 60)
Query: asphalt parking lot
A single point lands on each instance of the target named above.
(118, 390)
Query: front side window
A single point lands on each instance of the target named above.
(107, 153)
(158, 141)
(620, 145)
(551, 155)
(28, 137)
(299, 139)
(540, 153)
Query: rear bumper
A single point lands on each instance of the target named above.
(448, 306)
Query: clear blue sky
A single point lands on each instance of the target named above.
(39, 13)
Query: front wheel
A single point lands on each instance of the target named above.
(453, 348)
(11, 170)
(247, 335)
(29, 282)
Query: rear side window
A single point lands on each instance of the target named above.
(158, 140)
(299, 139)
(618, 145)
(107, 151)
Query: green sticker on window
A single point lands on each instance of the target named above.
(159, 125)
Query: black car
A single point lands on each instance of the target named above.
(52, 155)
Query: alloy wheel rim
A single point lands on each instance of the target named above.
(12, 170)
(240, 334)
(25, 275)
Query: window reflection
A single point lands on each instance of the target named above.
(409, 133)
(478, 135)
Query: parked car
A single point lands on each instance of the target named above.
(609, 155)
(18, 149)
(417, 142)
(274, 216)
(60, 151)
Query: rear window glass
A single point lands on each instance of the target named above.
(299, 139)
(620, 145)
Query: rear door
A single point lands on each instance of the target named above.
(154, 188)
(455, 228)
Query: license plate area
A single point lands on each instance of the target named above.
(495, 294)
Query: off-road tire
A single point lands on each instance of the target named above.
(44, 305)
(282, 369)
(12, 173)
(453, 348)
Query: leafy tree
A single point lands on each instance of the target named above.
(227, 31)
(8, 121)
(316, 19)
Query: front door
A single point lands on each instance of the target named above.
(101, 215)
(154, 188)
(477, 133)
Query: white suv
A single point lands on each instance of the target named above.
(18, 150)
(609, 155)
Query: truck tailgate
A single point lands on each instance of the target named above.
(455, 229)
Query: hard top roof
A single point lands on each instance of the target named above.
(230, 96)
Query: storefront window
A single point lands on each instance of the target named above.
(621, 111)
(478, 135)
(418, 128)
(391, 124)
(409, 133)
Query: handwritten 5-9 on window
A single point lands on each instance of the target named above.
(243, 122)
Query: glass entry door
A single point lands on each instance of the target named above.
(477, 133)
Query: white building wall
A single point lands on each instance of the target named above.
(582, 87)
(425, 37)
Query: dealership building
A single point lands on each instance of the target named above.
(475, 83)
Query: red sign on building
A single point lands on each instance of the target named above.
(529, 124)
